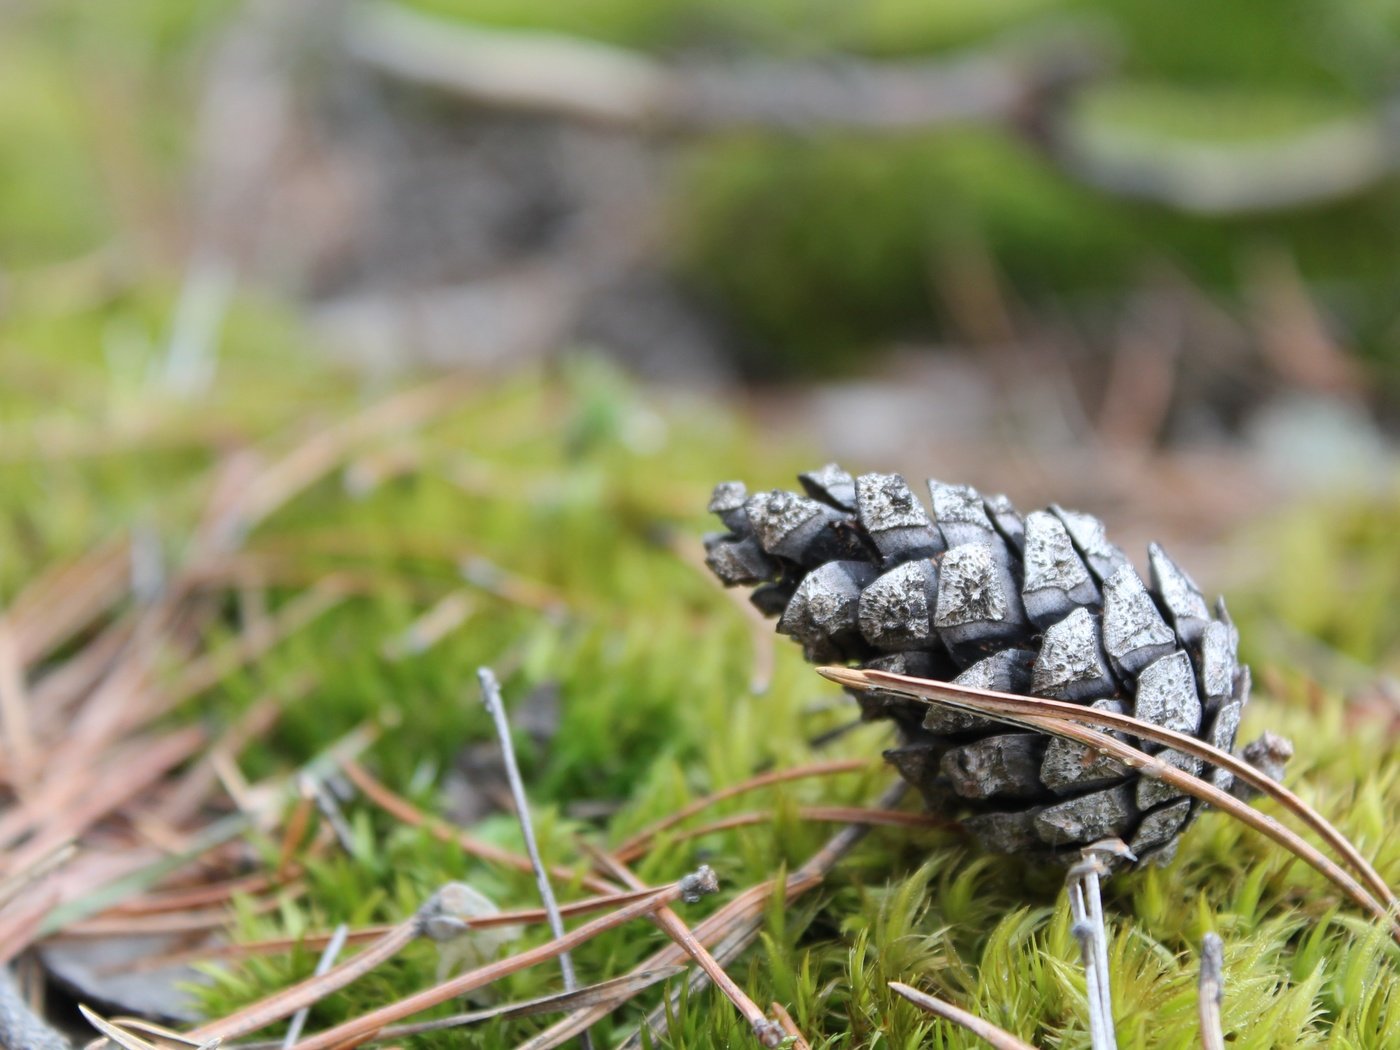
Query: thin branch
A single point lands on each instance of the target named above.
(496, 708)
(589, 81)
(983, 1029)
(1212, 992)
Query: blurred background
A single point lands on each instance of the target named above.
(1137, 257)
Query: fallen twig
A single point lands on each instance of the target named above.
(586, 80)
(1212, 992)
(495, 707)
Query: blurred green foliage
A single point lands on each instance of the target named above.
(823, 246)
(826, 245)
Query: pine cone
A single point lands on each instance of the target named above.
(1045, 605)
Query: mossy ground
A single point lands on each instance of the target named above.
(582, 486)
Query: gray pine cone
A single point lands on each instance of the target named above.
(859, 572)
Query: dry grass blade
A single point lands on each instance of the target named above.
(360, 1028)
(1062, 719)
(983, 1029)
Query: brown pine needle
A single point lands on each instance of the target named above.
(65, 599)
(316, 941)
(627, 985)
(126, 1040)
(983, 1029)
(675, 927)
(945, 692)
(728, 931)
(790, 1027)
(13, 884)
(198, 921)
(399, 807)
(20, 746)
(133, 770)
(294, 830)
(1062, 719)
(196, 896)
(820, 814)
(777, 776)
(289, 1000)
(360, 1028)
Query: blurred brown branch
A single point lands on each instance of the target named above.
(571, 77)
(1023, 83)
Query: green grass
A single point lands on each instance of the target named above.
(573, 480)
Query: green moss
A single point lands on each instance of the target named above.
(566, 481)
